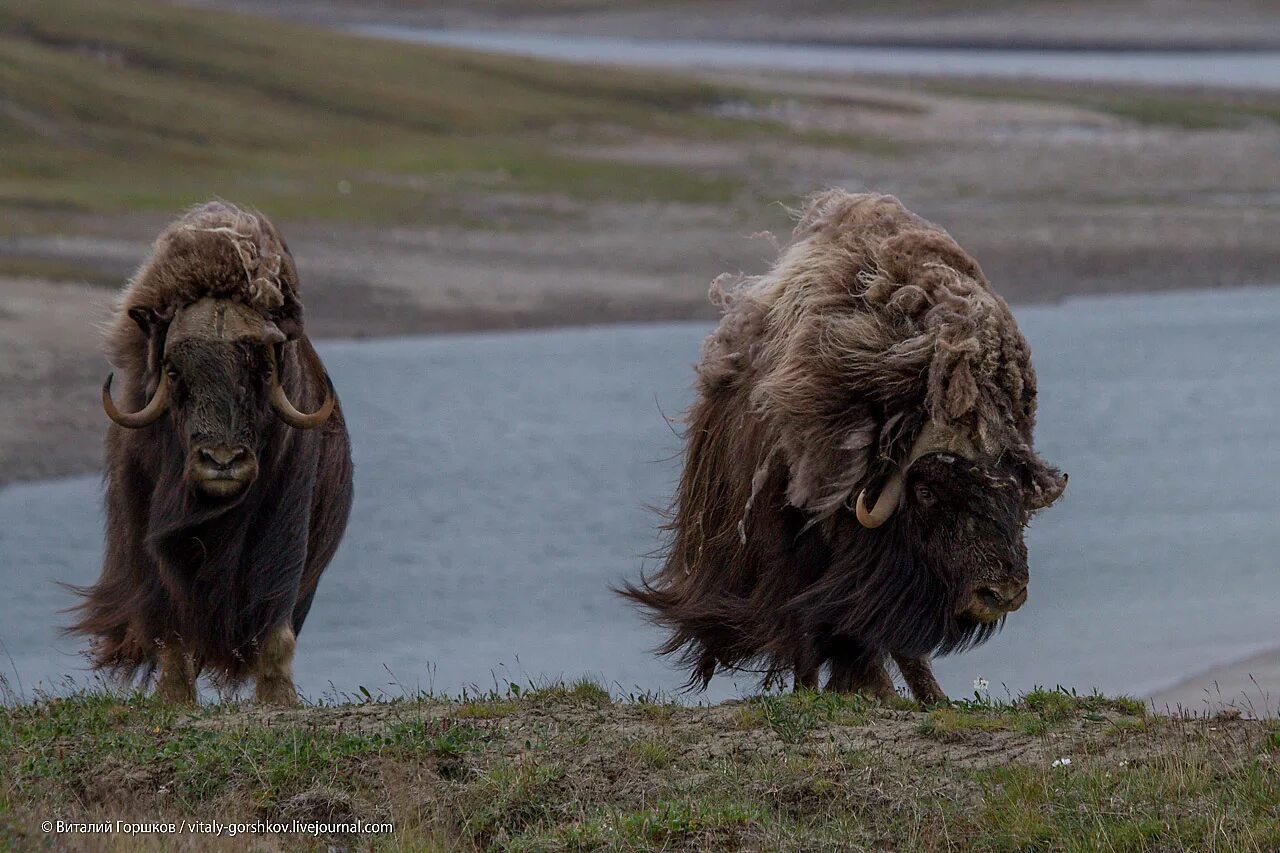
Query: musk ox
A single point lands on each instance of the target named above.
(858, 467)
(225, 498)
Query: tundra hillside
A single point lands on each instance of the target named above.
(430, 190)
(1090, 24)
(566, 768)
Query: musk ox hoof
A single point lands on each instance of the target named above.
(934, 698)
(178, 672)
(280, 693)
(176, 693)
(879, 693)
(870, 679)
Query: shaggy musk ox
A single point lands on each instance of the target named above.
(859, 465)
(224, 501)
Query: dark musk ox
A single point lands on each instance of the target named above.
(858, 467)
(225, 499)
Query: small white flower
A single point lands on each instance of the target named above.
(1062, 762)
(981, 683)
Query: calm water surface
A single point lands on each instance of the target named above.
(1248, 69)
(502, 484)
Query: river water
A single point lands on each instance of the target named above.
(1232, 69)
(502, 483)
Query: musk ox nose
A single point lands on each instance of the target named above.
(222, 471)
(222, 458)
(1004, 598)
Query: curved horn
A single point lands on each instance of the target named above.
(149, 414)
(290, 415)
(931, 438)
(885, 504)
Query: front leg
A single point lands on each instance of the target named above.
(918, 673)
(178, 673)
(274, 673)
(867, 676)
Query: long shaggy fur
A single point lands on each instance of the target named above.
(215, 578)
(814, 386)
(216, 249)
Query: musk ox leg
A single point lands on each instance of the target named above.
(274, 673)
(918, 673)
(870, 677)
(178, 672)
(807, 666)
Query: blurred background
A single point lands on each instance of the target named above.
(506, 216)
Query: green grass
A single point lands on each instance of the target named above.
(111, 105)
(1033, 713)
(1170, 803)
(1143, 105)
(793, 716)
(55, 269)
(74, 739)
(564, 767)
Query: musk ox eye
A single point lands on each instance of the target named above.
(171, 371)
(925, 495)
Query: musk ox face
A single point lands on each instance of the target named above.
(219, 393)
(216, 365)
(967, 523)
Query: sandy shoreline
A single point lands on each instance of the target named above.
(1250, 685)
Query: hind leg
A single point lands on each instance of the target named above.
(807, 666)
(861, 676)
(806, 669)
(178, 672)
(274, 674)
(918, 673)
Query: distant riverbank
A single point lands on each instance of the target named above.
(995, 24)
(1252, 69)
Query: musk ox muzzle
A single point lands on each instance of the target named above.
(993, 601)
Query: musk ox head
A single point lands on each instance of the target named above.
(219, 382)
(935, 562)
(965, 520)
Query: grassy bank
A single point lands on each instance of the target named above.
(1183, 108)
(566, 768)
(141, 106)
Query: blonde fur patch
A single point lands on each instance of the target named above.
(214, 250)
(871, 322)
